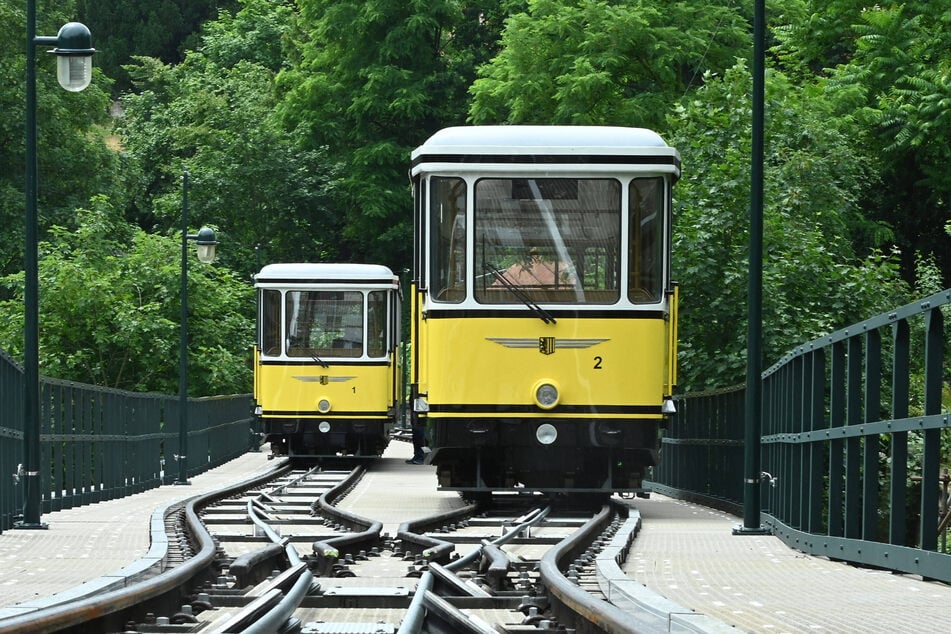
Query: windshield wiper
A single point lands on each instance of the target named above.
(320, 361)
(507, 284)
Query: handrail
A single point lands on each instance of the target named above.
(851, 434)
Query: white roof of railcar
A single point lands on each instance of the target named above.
(325, 273)
(533, 143)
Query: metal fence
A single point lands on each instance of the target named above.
(854, 439)
(99, 444)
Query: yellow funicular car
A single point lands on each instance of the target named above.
(543, 313)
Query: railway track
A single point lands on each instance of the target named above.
(284, 554)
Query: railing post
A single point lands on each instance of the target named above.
(837, 399)
(816, 454)
(897, 533)
(931, 452)
(873, 399)
(853, 444)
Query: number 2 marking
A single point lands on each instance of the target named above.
(597, 363)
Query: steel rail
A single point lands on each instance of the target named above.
(424, 599)
(271, 534)
(365, 535)
(591, 613)
(62, 617)
(246, 568)
(272, 609)
(432, 548)
(533, 517)
(274, 606)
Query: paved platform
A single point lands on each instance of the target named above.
(394, 492)
(689, 554)
(88, 548)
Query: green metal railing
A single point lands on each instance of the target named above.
(98, 444)
(852, 445)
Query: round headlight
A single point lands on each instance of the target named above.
(323, 406)
(546, 395)
(323, 426)
(546, 433)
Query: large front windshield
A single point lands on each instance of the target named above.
(549, 240)
(323, 324)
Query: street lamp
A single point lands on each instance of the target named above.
(74, 71)
(754, 355)
(206, 243)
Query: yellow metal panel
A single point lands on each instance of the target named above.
(257, 374)
(604, 362)
(672, 334)
(288, 390)
(420, 339)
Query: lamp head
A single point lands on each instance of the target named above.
(74, 53)
(206, 245)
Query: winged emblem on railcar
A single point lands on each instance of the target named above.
(545, 345)
(323, 379)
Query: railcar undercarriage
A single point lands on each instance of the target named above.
(495, 456)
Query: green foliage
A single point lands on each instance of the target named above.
(599, 62)
(894, 84)
(214, 115)
(109, 311)
(812, 280)
(371, 81)
(928, 277)
(296, 120)
(123, 29)
(72, 158)
(818, 35)
(255, 33)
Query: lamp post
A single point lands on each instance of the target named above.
(73, 48)
(205, 240)
(754, 347)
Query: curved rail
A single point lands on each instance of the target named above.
(365, 535)
(578, 603)
(434, 549)
(277, 603)
(61, 617)
(528, 520)
(424, 598)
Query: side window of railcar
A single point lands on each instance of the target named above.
(376, 323)
(646, 242)
(554, 240)
(270, 322)
(447, 208)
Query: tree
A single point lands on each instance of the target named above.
(109, 311)
(214, 115)
(74, 161)
(599, 62)
(817, 35)
(901, 67)
(886, 67)
(123, 29)
(371, 81)
(813, 280)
